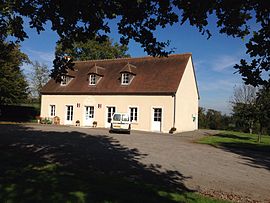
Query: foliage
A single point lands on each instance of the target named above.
(212, 119)
(92, 49)
(13, 85)
(244, 107)
(137, 20)
(251, 109)
(38, 78)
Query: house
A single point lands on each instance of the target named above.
(158, 93)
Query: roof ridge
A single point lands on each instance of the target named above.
(131, 58)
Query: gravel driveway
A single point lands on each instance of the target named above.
(207, 169)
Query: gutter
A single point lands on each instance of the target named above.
(174, 108)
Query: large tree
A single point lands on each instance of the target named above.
(13, 85)
(243, 104)
(38, 77)
(138, 19)
(92, 49)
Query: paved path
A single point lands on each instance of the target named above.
(206, 168)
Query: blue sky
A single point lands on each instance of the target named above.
(213, 59)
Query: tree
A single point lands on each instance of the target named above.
(83, 20)
(13, 85)
(39, 76)
(243, 104)
(92, 49)
(263, 110)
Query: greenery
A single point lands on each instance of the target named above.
(76, 21)
(13, 85)
(251, 109)
(92, 49)
(245, 140)
(215, 120)
(38, 77)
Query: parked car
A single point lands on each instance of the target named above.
(120, 123)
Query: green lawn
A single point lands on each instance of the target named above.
(235, 139)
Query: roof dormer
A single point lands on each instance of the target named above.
(65, 79)
(127, 74)
(95, 74)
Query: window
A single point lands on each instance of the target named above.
(157, 114)
(69, 113)
(133, 114)
(65, 80)
(93, 79)
(89, 112)
(52, 110)
(126, 78)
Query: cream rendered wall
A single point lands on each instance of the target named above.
(187, 101)
(145, 106)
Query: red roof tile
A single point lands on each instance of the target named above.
(153, 76)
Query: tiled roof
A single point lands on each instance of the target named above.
(159, 76)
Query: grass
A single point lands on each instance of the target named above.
(237, 139)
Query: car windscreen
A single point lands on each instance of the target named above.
(125, 117)
(117, 117)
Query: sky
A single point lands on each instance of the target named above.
(213, 58)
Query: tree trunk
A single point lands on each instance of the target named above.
(260, 134)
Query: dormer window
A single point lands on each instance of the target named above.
(126, 78)
(93, 79)
(65, 80)
(127, 74)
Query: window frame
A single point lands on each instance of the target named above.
(133, 114)
(126, 78)
(52, 110)
(96, 79)
(65, 80)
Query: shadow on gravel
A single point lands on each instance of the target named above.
(47, 166)
(254, 155)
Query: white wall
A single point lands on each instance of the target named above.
(187, 101)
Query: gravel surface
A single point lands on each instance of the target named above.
(208, 170)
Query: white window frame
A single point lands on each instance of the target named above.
(126, 78)
(94, 79)
(52, 110)
(65, 80)
(71, 115)
(91, 112)
(130, 112)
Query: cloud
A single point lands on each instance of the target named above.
(218, 85)
(41, 56)
(223, 62)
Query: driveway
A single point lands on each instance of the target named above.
(205, 169)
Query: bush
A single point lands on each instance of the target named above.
(15, 113)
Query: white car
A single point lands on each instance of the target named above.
(120, 122)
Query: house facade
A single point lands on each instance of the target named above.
(158, 93)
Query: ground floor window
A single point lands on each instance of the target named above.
(133, 114)
(89, 112)
(52, 110)
(157, 114)
(69, 113)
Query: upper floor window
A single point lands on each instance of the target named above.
(93, 79)
(126, 78)
(52, 110)
(65, 80)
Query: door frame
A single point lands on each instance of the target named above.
(66, 121)
(106, 124)
(84, 115)
(152, 118)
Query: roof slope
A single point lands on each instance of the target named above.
(153, 76)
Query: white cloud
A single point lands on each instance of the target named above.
(218, 85)
(41, 56)
(220, 63)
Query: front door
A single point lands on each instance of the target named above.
(69, 115)
(89, 115)
(157, 119)
(109, 114)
